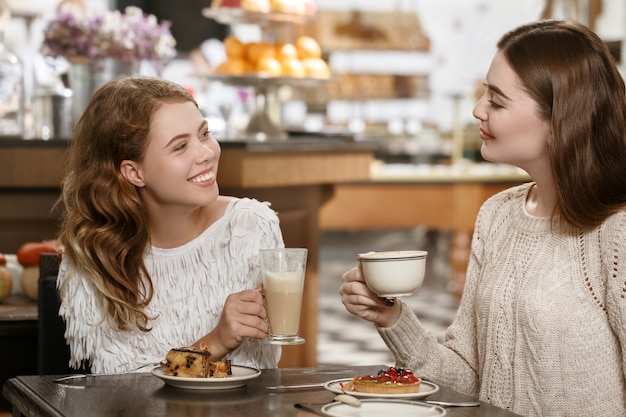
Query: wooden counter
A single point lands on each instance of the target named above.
(297, 176)
(438, 197)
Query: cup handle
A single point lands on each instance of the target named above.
(388, 301)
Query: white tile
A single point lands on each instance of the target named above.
(346, 339)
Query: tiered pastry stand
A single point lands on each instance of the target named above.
(261, 126)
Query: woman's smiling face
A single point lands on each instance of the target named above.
(510, 127)
(180, 163)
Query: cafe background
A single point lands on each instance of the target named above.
(405, 75)
(357, 38)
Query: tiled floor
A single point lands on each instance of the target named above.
(348, 340)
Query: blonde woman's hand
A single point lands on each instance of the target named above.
(243, 316)
(363, 302)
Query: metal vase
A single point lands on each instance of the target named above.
(86, 77)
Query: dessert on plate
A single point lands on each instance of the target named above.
(189, 362)
(390, 381)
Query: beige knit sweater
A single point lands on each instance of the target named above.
(541, 328)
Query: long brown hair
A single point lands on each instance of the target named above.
(570, 73)
(104, 228)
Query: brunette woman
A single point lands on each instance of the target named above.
(541, 328)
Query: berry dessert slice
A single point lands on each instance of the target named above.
(391, 381)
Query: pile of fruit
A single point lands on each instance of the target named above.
(300, 59)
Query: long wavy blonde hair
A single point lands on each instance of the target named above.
(104, 224)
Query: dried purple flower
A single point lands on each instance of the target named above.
(131, 37)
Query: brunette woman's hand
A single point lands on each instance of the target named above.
(363, 302)
(243, 316)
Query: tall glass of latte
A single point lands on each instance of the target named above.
(283, 282)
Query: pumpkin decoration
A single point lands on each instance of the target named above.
(6, 281)
(28, 256)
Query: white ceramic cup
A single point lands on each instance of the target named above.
(394, 273)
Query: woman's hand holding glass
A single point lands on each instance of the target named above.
(243, 316)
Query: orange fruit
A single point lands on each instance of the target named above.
(316, 68)
(293, 67)
(269, 66)
(235, 66)
(285, 50)
(257, 50)
(234, 47)
(308, 48)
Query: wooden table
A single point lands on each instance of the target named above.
(138, 395)
(439, 197)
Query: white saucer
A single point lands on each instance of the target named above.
(239, 378)
(426, 388)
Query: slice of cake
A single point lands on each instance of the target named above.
(220, 369)
(391, 381)
(187, 362)
(194, 363)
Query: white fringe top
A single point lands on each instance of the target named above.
(541, 329)
(191, 283)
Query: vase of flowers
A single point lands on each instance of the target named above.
(100, 47)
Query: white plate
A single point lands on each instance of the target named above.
(239, 378)
(426, 388)
(377, 408)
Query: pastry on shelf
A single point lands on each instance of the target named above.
(308, 47)
(316, 68)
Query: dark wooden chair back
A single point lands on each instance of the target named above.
(53, 354)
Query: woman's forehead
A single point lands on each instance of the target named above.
(502, 78)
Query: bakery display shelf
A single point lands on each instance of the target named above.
(261, 126)
(263, 81)
(229, 15)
